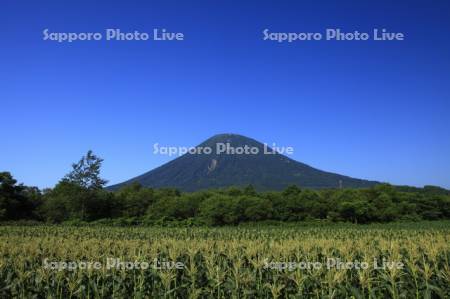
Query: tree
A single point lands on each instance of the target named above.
(134, 199)
(16, 200)
(79, 194)
(350, 206)
(250, 190)
(86, 173)
(65, 201)
(219, 210)
(7, 193)
(291, 190)
(70, 201)
(256, 208)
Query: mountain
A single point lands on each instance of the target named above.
(204, 170)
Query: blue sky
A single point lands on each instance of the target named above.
(374, 110)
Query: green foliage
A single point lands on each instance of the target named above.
(134, 200)
(17, 201)
(219, 210)
(71, 201)
(86, 173)
(77, 199)
(227, 262)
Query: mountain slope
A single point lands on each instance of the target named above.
(192, 172)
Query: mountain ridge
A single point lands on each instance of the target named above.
(266, 172)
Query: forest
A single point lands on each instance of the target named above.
(81, 197)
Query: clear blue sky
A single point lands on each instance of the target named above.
(374, 110)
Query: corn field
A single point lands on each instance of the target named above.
(237, 262)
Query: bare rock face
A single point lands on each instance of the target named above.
(212, 165)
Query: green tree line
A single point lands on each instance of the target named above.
(81, 196)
